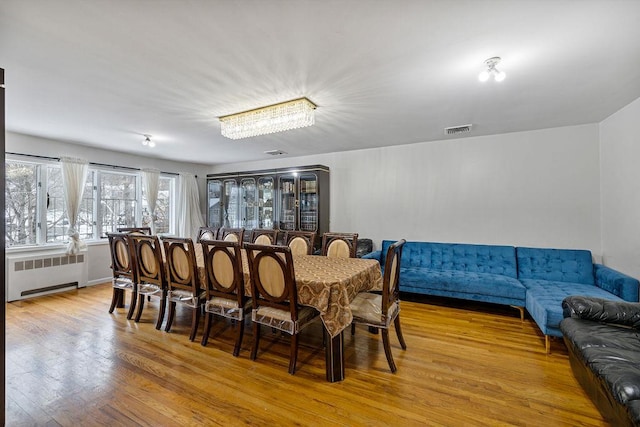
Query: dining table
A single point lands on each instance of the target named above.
(329, 285)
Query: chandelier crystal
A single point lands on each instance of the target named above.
(294, 114)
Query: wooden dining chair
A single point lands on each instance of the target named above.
(379, 310)
(300, 242)
(231, 234)
(225, 289)
(274, 296)
(142, 230)
(207, 233)
(341, 245)
(262, 236)
(183, 283)
(150, 272)
(123, 272)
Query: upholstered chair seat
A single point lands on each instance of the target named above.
(381, 310)
(275, 296)
(225, 291)
(366, 308)
(281, 319)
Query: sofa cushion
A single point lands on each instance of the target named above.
(611, 352)
(462, 282)
(560, 265)
(544, 301)
(457, 256)
(594, 349)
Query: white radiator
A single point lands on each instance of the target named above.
(30, 274)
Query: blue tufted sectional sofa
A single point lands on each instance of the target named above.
(533, 278)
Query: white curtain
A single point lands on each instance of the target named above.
(74, 174)
(151, 182)
(188, 206)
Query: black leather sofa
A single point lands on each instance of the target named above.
(603, 341)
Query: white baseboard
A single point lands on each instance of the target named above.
(98, 281)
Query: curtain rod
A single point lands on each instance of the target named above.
(91, 163)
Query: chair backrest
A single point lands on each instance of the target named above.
(264, 236)
(272, 278)
(231, 234)
(121, 256)
(339, 245)
(390, 289)
(147, 256)
(140, 230)
(223, 267)
(180, 261)
(207, 233)
(300, 242)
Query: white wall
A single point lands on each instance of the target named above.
(538, 188)
(98, 254)
(619, 152)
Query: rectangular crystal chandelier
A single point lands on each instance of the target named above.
(297, 113)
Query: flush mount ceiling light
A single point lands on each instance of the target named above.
(148, 142)
(492, 70)
(297, 113)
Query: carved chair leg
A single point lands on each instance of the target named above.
(240, 333)
(114, 299)
(387, 350)
(132, 304)
(294, 354)
(140, 307)
(207, 328)
(256, 340)
(171, 315)
(195, 321)
(396, 322)
(163, 303)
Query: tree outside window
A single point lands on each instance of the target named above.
(21, 204)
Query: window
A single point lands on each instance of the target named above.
(57, 222)
(35, 211)
(164, 209)
(118, 201)
(21, 203)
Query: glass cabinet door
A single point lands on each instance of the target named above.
(248, 204)
(214, 191)
(287, 212)
(308, 202)
(265, 202)
(230, 204)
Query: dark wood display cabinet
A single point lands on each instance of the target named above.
(287, 199)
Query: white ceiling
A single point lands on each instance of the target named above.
(386, 72)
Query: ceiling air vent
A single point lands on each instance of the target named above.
(275, 152)
(454, 130)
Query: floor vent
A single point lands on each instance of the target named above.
(454, 130)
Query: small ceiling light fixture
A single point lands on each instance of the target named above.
(148, 141)
(492, 70)
(294, 114)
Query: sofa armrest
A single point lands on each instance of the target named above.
(602, 310)
(619, 284)
(373, 255)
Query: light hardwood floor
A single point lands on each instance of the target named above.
(71, 363)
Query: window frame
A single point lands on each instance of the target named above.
(42, 166)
